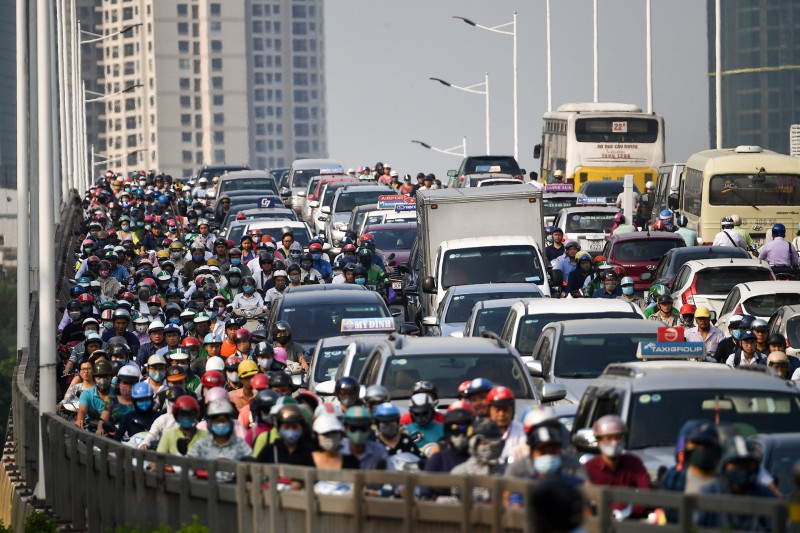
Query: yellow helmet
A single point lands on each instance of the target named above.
(247, 368)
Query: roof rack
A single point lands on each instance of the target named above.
(494, 336)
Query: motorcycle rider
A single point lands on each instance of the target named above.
(577, 278)
(248, 302)
(282, 336)
(781, 255)
(729, 237)
(610, 289)
(665, 312)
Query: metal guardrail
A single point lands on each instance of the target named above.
(99, 484)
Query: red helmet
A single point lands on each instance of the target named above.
(190, 342)
(349, 248)
(155, 300)
(150, 281)
(658, 225)
(688, 309)
(619, 271)
(232, 363)
(619, 218)
(460, 404)
(86, 298)
(260, 382)
(365, 237)
(93, 259)
(186, 402)
(240, 335)
(315, 247)
(463, 388)
(212, 378)
(500, 397)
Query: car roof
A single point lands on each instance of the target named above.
(681, 375)
(366, 186)
(725, 262)
(407, 345)
(246, 174)
(391, 225)
(315, 294)
(305, 164)
(500, 302)
(646, 235)
(768, 287)
(561, 194)
(572, 305)
(709, 251)
(227, 166)
(272, 223)
(484, 288)
(326, 287)
(265, 210)
(590, 209)
(593, 326)
(345, 340)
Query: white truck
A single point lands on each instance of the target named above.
(479, 235)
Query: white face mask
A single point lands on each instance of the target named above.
(233, 377)
(141, 328)
(611, 450)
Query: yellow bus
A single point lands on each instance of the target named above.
(761, 186)
(601, 141)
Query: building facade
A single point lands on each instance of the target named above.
(760, 72)
(197, 82)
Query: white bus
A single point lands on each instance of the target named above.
(601, 141)
(760, 186)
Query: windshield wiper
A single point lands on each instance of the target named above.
(737, 193)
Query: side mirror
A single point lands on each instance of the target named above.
(452, 173)
(313, 204)
(430, 321)
(428, 285)
(714, 317)
(537, 151)
(553, 392)
(673, 201)
(326, 388)
(326, 210)
(557, 277)
(457, 334)
(403, 267)
(301, 194)
(326, 247)
(535, 368)
(390, 256)
(584, 440)
(396, 312)
(286, 192)
(408, 328)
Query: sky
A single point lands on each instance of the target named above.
(380, 54)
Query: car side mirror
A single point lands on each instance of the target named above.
(584, 440)
(713, 317)
(673, 201)
(557, 277)
(326, 210)
(537, 151)
(428, 285)
(534, 368)
(457, 334)
(313, 204)
(326, 388)
(553, 392)
(452, 173)
(430, 321)
(286, 192)
(408, 328)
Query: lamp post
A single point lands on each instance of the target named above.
(107, 96)
(99, 37)
(109, 158)
(449, 151)
(473, 89)
(513, 34)
(596, 58)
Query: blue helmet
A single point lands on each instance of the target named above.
(746, 322)
(142, 391)
(76, 291)
(779, 230)
(163, 199)
(387, 411)
(666, 215)
(479, 385)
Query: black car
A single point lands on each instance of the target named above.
(674, 259)
(211, 171)
(604, 189)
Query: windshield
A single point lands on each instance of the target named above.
(506, 264)
(300, 178)
(479, 165)
(653, 421)
(330, 190)
(211, 173)
(300, 234)
(644, 250)
(351, 199)
(586, 356)
(531, 326)
(588, 222)
(616, 130)
(720, 281)
(394, 239)
(551, 206)
(604, 188)
(313, 321)
(766, 304)
(255, 184)
(741, 189)
(327, 361)
(448, 371)
(461, 305)
(490, 320)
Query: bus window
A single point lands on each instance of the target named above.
(616, 130)
(693, 191)
(742, 189)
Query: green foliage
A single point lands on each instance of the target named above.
(8, 345)
(194, 527)
(4, 528)
(39, 523)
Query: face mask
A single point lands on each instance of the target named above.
(295, 255)
(90, 330)
(330, 443)
(125, 227)
(703, 459)
(103, 383)
(249, 289)
(737, 334)
(611, 449)
(108, 325)
(105, 273)
(186, 422)
(154, 311)
(388, 429)
(739, 478)
(489, 451)
(236, 261)
(202, 329)
(87, 249)
(627, 291)
(316, 257)
(459, 442)
(610, 286)
(221, 430)
(197, 258)
(75, 315)
(156, 375)
(291, 435)
(141, 328)
(283, 340)
(143, 296)
(175, 255)
(357, 437)
(547, 464)
(143, 405)
(264, 363)
(305, 265)
(233, 377)
(188, 325)
(234, 281)
(585, 267)
(294, 279)
(176, 321)
(422, 419)
(360, 281)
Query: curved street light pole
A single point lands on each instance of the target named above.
(107, 96)
(449, 151)
(473, 89)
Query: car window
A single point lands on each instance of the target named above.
(531, 326)
(509, 326)
(311, 321)
(491, 265)
(263, 184)
(327, 362)
(681, 279)
(461, 304)
(394, 239)
(643, 250)
(589, 222)
(661, 270)
(793, 330)
(766, 304)
(491, 319)
(544, 353)
(586, 356)
(476, 165)
(552, 205)
(349, 200)
(720, 281)
(730, 302)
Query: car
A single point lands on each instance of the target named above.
(655, 398)
(527, 318)
(322, 211)
(307, 195)
(411, 277)
(235, 228)
(394, 239)
(786, 321)
(639, 252)
(758, 298)
(488, 315)
(258, 180)
(243, 203)
(345, 199)
(279, 174)
(707, 282)
(574, 352)
(400, 361)
(312, 199)
(779, 453)
(674, 259)
(454, 309)
(217, 171)
(340, 355)
(553, 202)
(274, 228)
(588, 226)
(607, 190)
(301, 171)
(504, 165)
(475, 181)
(319, 311)
(354, 222)
(381, 216)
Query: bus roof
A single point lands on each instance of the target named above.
(599, 107)
(743, 159)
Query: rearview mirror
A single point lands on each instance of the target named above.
(326, 210)
(301, 194)
(326, 388)
(430, 321)
(313, 204)
(557, 277)
(408, 328)
(552, 392)
(537, 151)
(584, 440)
(717, 405)
(534, 367)
(428, 285)
(673, 201)
(452, 173)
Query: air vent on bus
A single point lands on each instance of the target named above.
(747, 149)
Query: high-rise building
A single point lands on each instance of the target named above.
(202, 81)
(760, 72)
(8, 95)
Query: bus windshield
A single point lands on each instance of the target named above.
(748, 189)
(616, 130)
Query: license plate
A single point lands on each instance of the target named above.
(396, 285)
(596, 246)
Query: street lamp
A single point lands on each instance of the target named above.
(448, 151)
(513, 34)
(100, 37)
(108, 158)
(107, 96)
(473, 89)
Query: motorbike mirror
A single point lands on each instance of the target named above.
(390, 256)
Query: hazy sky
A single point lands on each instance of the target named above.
(380, 55)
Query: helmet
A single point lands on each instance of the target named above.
(190, 342)
(627, 280)
(420, 401)
(260, 381)
(247, 369)
(777, 357)
(280, 379)
(387, 411)
(187, 402)
(129, 373)
(688, 309)
(649, 185)
(619, 218)
(463, 389)
(215, 393)
(327, 424)
(543, 434)
(141, 391)
(759, 324)
(584, 256)
(738, 448)
(76, 291)
(500, 397)
(776, 338)
(658, 225)
(735, 321)
(232, 363)
(290, 414)
(118, 313)
(665, 299)
(263, 349)
(87, 298)
(73, 304)
(215, 363)
(102, 368)
(457, 417)
(608, 425)
(572, 244)
(665, 215)
(682, 221)
(487, 429)
(727, 222)
(479, 385)
(346, 383)
(426, 387)
(212, 378)
(281, 326)
(540, 416)
(658, 290)
(241, 335)
(210, 338)
(746, 321)
(265, 399)
(376, 394)
(219, 407)
(778, 230)
(358, 416)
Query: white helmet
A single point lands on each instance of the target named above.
(649, 185)
(327, 424)
(130, 370)
(737, 220)
(215, 363)
(203, 181)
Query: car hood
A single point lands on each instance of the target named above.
(400, 256)
(575, 388)
(655, 458)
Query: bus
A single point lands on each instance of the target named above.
(761, 186)
(601, 141)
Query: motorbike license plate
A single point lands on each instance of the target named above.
(595, 246)
(396, 285)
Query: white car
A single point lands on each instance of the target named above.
(274, 228)
(707, 282)
(588, 226)
(758, 298)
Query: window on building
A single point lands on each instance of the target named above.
(131, 141)
(184, 64)
(277, 45)
(215, 10)
(257, 10)
(278, 129)
(186, 137)
(258, 61)
(300, 62)
(270, 128)
(258, 26)
(186, 102)
(299, 45)
(301, 147)
(183, 10)
(219, 156)
(219, 137)
(186, 155)
(261, 146)
(186, 119)
(260, 129)
(183, 28)
(219, 118)
(128, 50)
(215, 27)
(299, 28)
(278, 112)
(301, 129)
(198, 139)
(258, 44)
(300, 78)
(197, 85)
(278, 61)
(301, 96)
(198, 158)
(299, 11)
(279, 144)
(259, 78)
(301, 113)
(183, 47)
(216, 82)
(218, 100)
(216, 64)
(260, 112)
(130, 104)
(184, 83)
(258, 94)
(130, 123)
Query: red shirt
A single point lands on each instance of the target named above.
(406, 418)
(630, 472)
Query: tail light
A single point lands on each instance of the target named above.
(739, 310)
(688, 294)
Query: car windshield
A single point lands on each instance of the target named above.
(793, 331)
(448, 371)
(497, 264)
(604, 188)
(351, 199)
(300, 234)
(327, 361)
(490, 320)
(461, 304)
(720, 281)
(680, 259)
(766, 304)
(258, 184)
(211, 173)
(330, 190)
(531, 326)
(300, 178)
(637, 251)
(479, 165)
(589, 222)
(394, 239)
(551, 206)
(653, 420)
(586, 356)
(313, 321)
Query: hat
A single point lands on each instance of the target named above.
(558, 174)
(280, 273)
(156, 359)
(778, 357)
(173, 328)
(747, 335)
(179, 354)
(176, 373)
(702, 312)
(155, 325)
